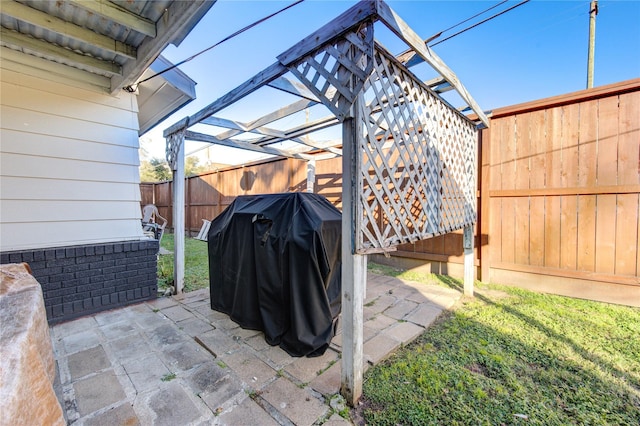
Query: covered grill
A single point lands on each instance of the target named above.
(275, 266)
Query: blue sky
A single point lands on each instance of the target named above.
(534, 51)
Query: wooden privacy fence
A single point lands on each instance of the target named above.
(559, 197)
(208, 194)
(560, 193)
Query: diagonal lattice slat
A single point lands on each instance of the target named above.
(418, 168)
(336, 72)
(174, 142)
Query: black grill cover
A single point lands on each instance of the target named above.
(275, 266)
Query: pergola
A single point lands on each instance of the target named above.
(408, 157)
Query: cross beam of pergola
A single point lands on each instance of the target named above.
(408, 157)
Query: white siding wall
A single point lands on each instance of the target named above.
(68, 162)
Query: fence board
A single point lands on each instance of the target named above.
(537, 231)
(626, 238)
(553, 148)
(568, 231)
(522, 150)
(606, 234)
(495, 163)
(607, 163)
(521, 176)
(552, 232)
(453, 243)
(329, 180)
(495, 226)
(538, 149)
(507, 153)
(521, 243)
(508, 233)
(507, 170)
(483, 243)
(553, 179)
(629, 139)
(570, 138)
(587, 150)
(586, 232)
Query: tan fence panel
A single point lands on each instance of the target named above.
(563, 187)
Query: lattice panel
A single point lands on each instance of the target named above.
(174, 141)
(418, 161)
(336, 72)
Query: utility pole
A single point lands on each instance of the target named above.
(593, 11)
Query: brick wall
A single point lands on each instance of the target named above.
(81, 280)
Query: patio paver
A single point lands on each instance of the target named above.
(175, 361)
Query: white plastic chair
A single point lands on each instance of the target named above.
(204, 231)
(150, 225)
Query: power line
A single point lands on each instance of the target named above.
(229, 37)
(467, 20)
(438, 34)
(481, 22)
(552, 21)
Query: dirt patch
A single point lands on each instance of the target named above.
(477, 368)
(357, 414)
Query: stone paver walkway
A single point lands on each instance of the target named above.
(174, 361)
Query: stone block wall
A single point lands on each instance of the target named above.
(82, 280)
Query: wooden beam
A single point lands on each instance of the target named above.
(178, 16)
(68, 29)
(266, 119)
(120, 15)
(201, 137)
(274, 134)
(23, 43)
(310, 143)
(325, 156)
(355, 15)
(439, 85)
(254, 83)
(293, 87)
(303, 129)
(226, 123)
(402, 30)
(285, 111)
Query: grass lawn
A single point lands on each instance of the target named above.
(196, 268)
(511, 356)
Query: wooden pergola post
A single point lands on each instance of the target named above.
(311, 175)
(354, 266)
(175, 157)
(469, 266)
(468, 234)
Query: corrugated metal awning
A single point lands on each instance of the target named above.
(118, 40)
